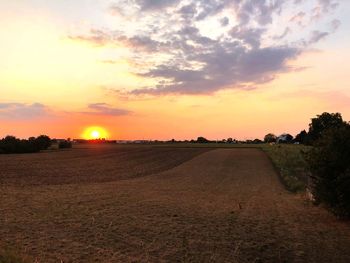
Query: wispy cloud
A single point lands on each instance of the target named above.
(22, 111)
(105, 109)
(316, 36)
(35, 111)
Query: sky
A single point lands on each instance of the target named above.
(163, 69)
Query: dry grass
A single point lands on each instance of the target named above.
(291, 164)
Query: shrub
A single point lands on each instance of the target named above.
(65, 144)
(329, 163)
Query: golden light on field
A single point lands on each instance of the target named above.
(95, 132)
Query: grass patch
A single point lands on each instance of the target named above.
(10, 256)
(290, 162)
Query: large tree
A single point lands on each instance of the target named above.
(322, 123)
(302, 137)
(270, 138)
(329, 162)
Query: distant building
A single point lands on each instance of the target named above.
(284, 138)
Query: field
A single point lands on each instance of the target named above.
(160, 204)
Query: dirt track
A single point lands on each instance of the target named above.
(222, 206)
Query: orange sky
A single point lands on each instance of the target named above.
(58, 76)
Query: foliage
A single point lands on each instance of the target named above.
(322, 123)
(11, 144)
(43, 142)
(270, 138)
(65, 144)
(202, 140)
(291, 164)
(329, 163)
(285, 138)
(302, 137)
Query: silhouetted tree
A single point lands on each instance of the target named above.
(257, 141)
(11, 144)
(322, 123)
(43, 142)
(285, 138)
(202, 140)
(229, 140)
(302, 137)
(270, 138)
(329, 162)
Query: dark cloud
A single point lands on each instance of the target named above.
(224, 21)
(147, 5)
(22, 111)
(183, 57)
(223, 69)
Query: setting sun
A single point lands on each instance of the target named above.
(95, 133)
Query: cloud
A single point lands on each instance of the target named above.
(96, 37)
(147, 5)
(316, 36)
(286, 31)
(105, 109)
(335, 24)
(224, 21)
(34, 111)
(323, 7)
(222, 69)
(200, 47)
(22, 111)
(298, 18)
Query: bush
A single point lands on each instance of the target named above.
(43, 142)
(329, 163)
(64, 144)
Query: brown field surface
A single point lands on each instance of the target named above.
(160, 204)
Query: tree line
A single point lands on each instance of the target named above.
(11, 144)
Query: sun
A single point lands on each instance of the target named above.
(94, 133)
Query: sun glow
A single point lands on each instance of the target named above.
(94, 133)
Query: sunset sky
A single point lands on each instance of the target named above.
(162, 69)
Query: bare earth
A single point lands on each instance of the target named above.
(223, 205)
